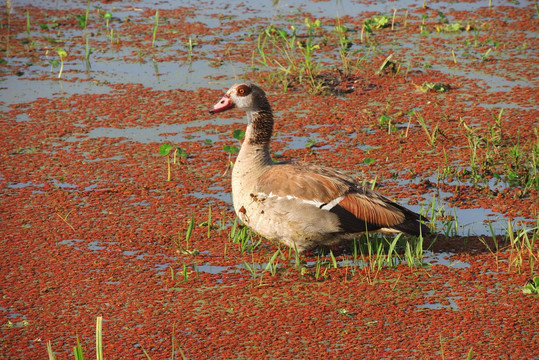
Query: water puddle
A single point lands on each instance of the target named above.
(491, 83)
(74, 243)
(25, 185)
(221, 196)
(184, 272)
(242, 10)
(443, 258)
(23, 91)
(172, 133)
(437, 306)
(56, 183)
(137, 254)
(217, 269)
(463, 221)
(163, 75)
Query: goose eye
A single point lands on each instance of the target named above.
(243, 90)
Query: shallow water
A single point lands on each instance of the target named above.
(111, 68)
(93, 226)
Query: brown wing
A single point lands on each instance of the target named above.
(358, 208)
(304, 181)
(372, 209)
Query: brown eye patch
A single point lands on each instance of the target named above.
(243, 90)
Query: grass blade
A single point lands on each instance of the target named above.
(189, 231)
(99, 338)
(78, 350)
(50, 352)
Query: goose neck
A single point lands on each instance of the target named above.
(260, 128)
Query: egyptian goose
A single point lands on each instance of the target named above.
(300, 204)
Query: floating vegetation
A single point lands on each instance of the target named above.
(92, 226)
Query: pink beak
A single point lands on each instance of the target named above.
(224, 104)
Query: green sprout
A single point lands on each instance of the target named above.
(83, 19)
(165, 149)
(532, 286)
(54, 63)
(190, 45)
(155, 25)
(436, 87)
(484, 57)
(230, 149)
(376, 22)
(311, 143)
(77, 349)
(28, 24)
(185, 249)
(369, 161)
(238, 134)
(344, 46)
(61, 53)
(107, 17)
(379, 22)
(389, 65)
(431, 135)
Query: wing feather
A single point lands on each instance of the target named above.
(304, 181)
(372, 210)
(357, 208)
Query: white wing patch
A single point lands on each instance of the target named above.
(324, 206)
(332, 203)
(388, 230)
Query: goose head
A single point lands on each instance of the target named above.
(245, 96)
